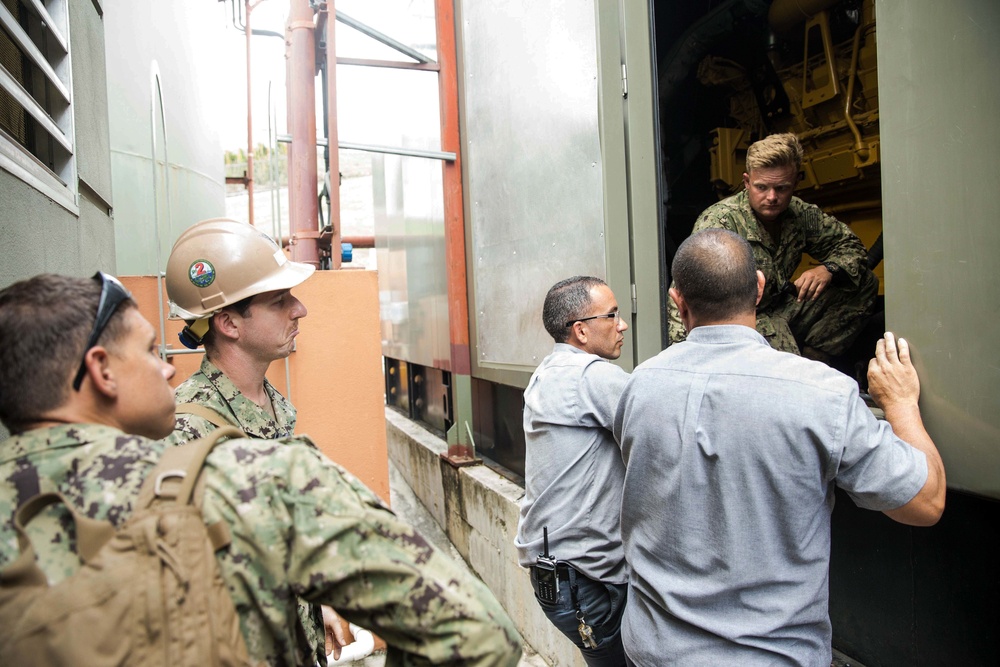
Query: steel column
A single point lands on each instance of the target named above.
(460, 446)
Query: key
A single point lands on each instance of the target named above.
(587, 635)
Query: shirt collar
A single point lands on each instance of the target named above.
(717, 334)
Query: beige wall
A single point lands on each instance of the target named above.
(336, 370)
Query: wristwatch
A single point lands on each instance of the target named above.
(832, 268)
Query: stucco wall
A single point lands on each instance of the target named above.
(336, 370)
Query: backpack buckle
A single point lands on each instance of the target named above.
(165, 475)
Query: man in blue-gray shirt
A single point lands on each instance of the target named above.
(733, 450)
(574, 472)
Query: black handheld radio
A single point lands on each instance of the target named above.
(546, 577)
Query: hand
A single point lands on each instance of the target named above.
(335, 639)
(892, 379)
(812, 283)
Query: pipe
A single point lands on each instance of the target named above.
(332, 146)
(359, 241)
(862, 151)
(785, 15)
(379, 37)
(301, 76)
(249, 34)
(461, 451)
(454, 219)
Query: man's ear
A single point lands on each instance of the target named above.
(683, 311)
(746, 181)
(99, 371)
(760, 287)
(578, 333)
(225, 324)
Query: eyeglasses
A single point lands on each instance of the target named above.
(112, 295)
(617, 315)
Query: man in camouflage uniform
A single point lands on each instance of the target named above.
(232, 283)
(301, 526)
(819, 314)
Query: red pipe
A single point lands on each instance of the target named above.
(357, 241)
(454, 217)
(303, 208)
(459, 453)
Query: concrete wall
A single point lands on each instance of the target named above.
(479, 510)
(336, 370)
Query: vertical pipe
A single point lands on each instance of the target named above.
(454, 229)
(454, 217)
(332, 137)
(302, 192)
(249, 122)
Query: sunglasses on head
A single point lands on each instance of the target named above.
(112, 295)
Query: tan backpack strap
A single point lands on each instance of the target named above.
(178, 470)
(204, 412)
(91, 536)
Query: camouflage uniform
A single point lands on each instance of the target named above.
(301, 526)
(211, 388)
(828, 323)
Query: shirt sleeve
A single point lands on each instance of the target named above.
(336, 543)
(601, 386)
(879, 470)
(828, 240)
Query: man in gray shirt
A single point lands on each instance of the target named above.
(574, 471)
(733, 450)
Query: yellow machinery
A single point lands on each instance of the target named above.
(829, 99)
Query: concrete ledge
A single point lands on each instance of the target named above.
(478, 510)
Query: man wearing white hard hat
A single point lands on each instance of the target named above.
(233, 285)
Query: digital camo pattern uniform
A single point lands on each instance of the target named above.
(830, 322)
(301, 527)
(211, 388)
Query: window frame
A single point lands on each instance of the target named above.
(56, 68)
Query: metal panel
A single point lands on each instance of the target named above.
(940, 103)
(535, 202)
(409, 241)
(179, 38)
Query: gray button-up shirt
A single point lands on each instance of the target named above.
(733, 450)
(573, 466)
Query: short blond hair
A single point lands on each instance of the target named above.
(777, 150)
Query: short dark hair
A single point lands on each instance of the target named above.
(716, 273)
(566, 301)
(242, 307)
(44, 324)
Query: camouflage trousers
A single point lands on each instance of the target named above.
(828, 323)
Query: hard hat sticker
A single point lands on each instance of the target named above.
(201, 273)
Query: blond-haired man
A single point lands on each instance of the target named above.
(821, 313)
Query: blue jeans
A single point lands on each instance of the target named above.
(602, 605)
